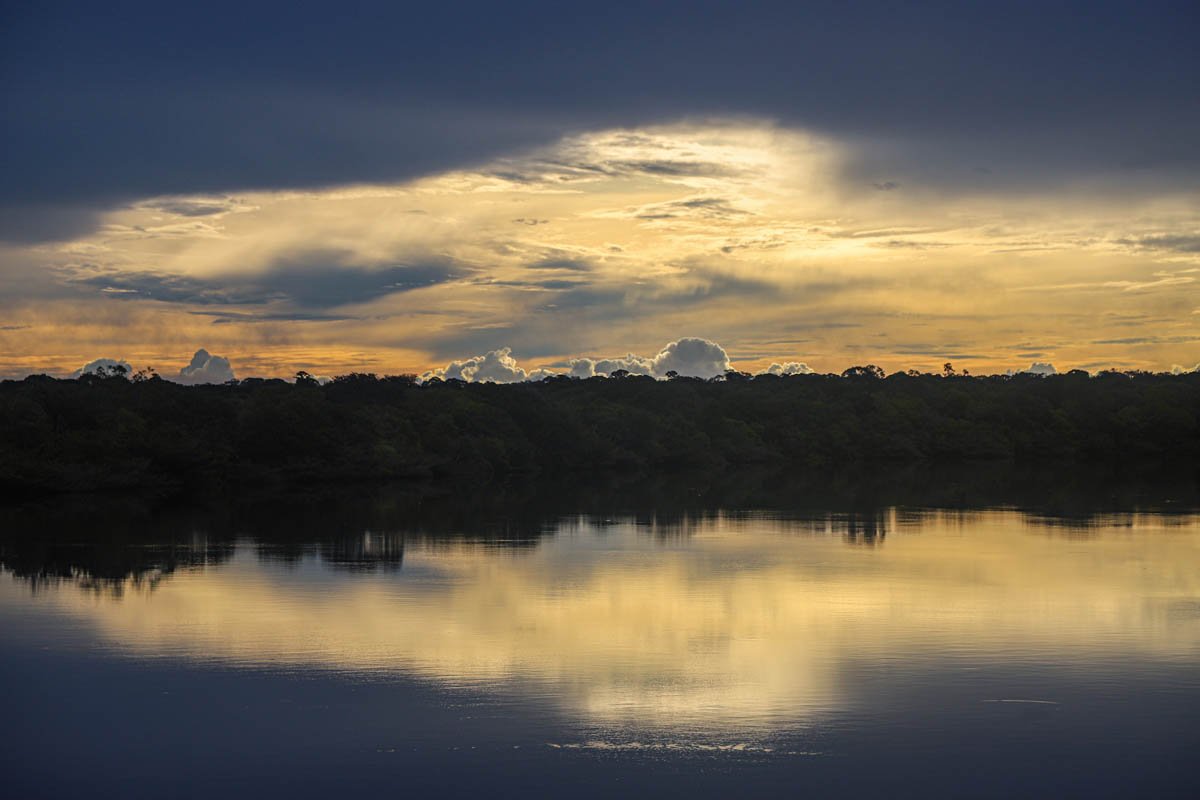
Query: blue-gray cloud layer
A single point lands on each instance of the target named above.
(313, 281)
(103, 104)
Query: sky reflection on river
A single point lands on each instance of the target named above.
(726, 627)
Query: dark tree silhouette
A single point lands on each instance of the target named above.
(104, 431)
(869, 371)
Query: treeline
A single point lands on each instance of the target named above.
(107, 431)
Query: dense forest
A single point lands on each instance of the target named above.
(113, 431)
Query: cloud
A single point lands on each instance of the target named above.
(24, 222)
(811, 246)
(226, 317)
(581, 368)
(588, 367)
(788, 368)
(624, 156)
(92, 367)
(688, 356)
(170, 288)
(1188, 243)
(191, 207)
(673, 169)
(320, 280)
(1163, 279)
(574, 264)
(1178, 369)
(692, 357)
(204, 368)
(497, 366)
(702, 207)
(1040, 368)
(194, 106)
(634, 365)
(1149, 340)
(910, 244)
(315, 279)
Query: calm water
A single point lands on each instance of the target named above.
(895, 650)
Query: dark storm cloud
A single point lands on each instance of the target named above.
(103, 104)
(313, 280)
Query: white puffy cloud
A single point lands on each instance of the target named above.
(1179, 369)
(633, 364)
(688, 356)
(497, 366)
(93, 367)
(581, 368)
(1040, 368)
(697, 358)
(204, 368)
(788, 368)
(692, 357)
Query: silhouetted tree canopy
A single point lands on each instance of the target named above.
(869, 371)
(108, 431)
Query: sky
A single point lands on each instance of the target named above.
(501, 191)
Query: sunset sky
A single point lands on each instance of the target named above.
(394, 188)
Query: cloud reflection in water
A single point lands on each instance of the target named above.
(724, 624)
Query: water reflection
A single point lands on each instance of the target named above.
(105, 567)
(707, 622)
